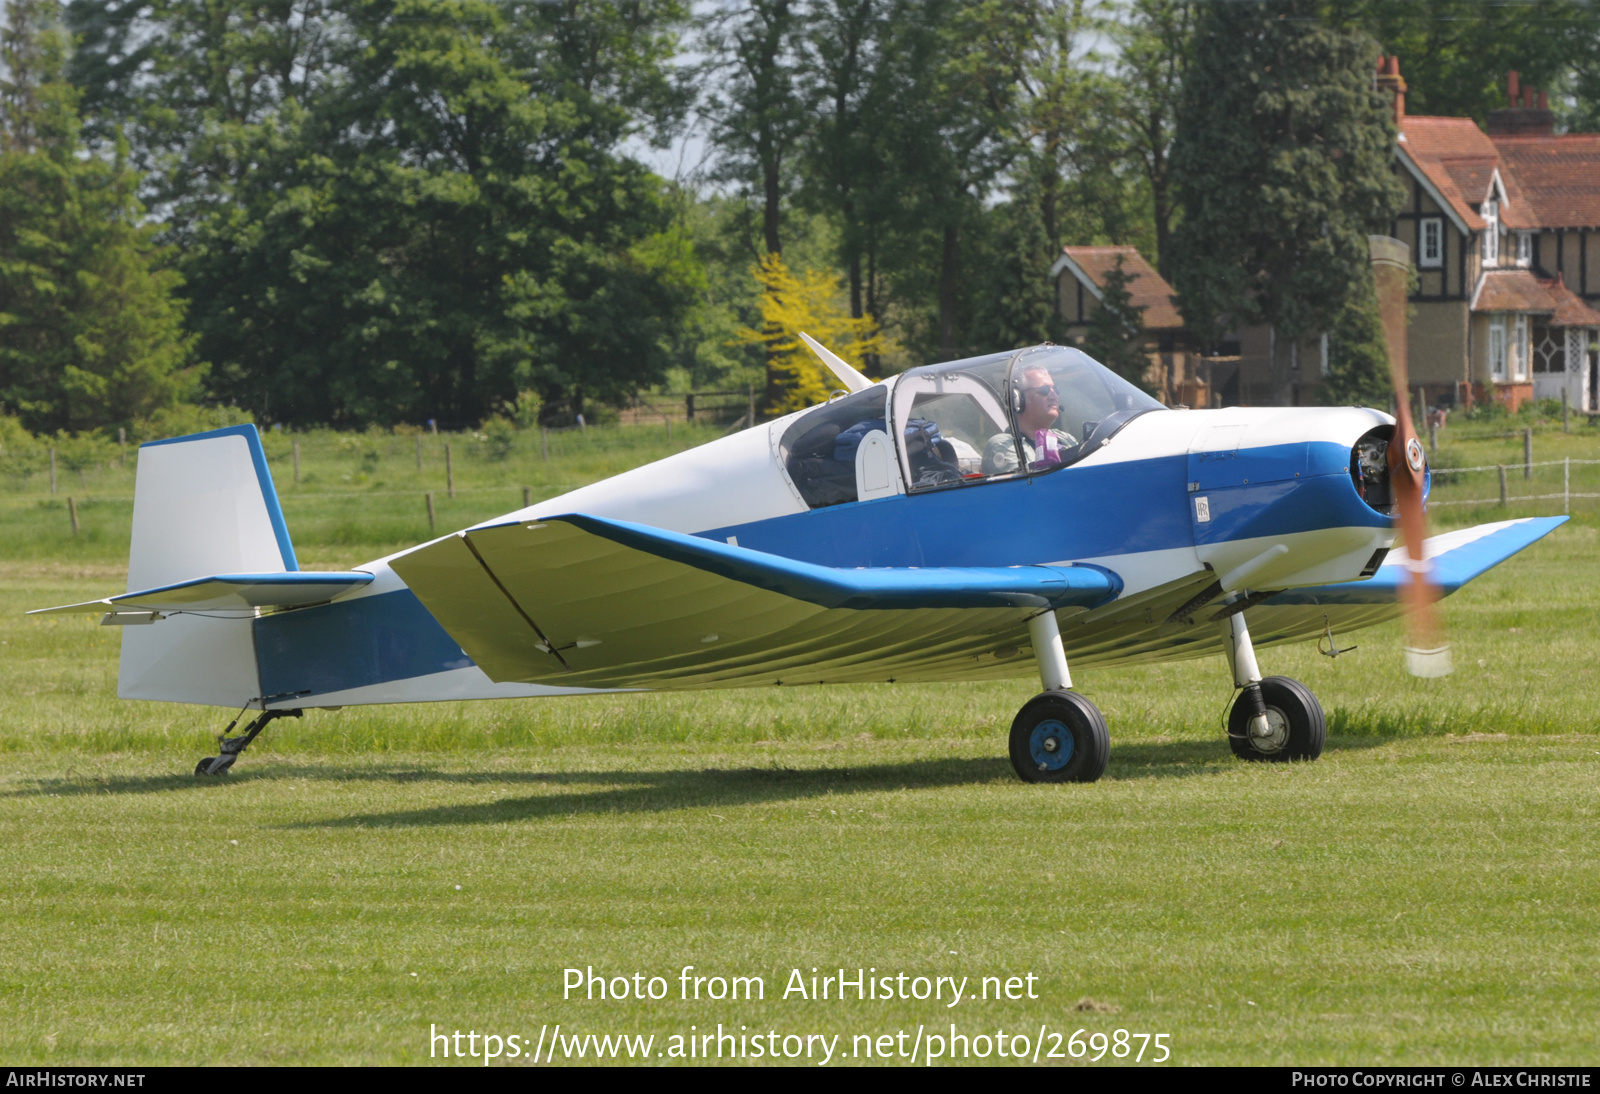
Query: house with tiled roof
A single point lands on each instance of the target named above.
(1504, 230)
(1080, 277)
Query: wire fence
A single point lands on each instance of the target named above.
(1446, 480)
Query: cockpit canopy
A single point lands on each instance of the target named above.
(961, 423)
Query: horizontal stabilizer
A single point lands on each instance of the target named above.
(226, 592)
(885, 588)
(1455, 557)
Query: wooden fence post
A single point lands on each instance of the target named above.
(1502, 469)
(432, 522)
(449, 474)
(72, 514)
(1527, 453)
(688, 406)
(1566, 412)
(527, 496)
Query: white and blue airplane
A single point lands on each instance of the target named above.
(989, 517)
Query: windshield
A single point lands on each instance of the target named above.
(964, 422)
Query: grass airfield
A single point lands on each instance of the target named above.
(1427, 892)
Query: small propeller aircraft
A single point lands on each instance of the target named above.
(938, 525)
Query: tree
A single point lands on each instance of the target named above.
(845, 172)
(1014, 299)
(90, 334)
(1455, 53)
(1153, 48)
(809, 302)
(956, 72)
(1282, 164)
(758, 113)
(419, 208)
(1358, 356)
(1116, 330)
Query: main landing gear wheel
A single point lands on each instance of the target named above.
(1294, 727)
(1060, 737)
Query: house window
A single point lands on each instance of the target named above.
(1491, 233)
(1497, 348)
(1430, 244)
(1519, 357)
(1549, 349)
(1524, 248)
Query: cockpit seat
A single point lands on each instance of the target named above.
(820, 478)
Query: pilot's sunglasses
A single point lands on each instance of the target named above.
(1049, 389)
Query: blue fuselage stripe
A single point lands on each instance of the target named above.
(1077, 513)
(352, 644)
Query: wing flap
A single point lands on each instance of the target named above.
(226, 592)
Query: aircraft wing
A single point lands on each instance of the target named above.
(584, 601)
(225, 592)
(1456, 557)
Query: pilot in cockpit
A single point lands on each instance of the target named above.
(1038, 406)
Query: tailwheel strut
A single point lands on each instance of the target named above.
(230, 747)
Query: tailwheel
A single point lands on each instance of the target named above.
(204, 766)
(1277, 720)
(1060, 737)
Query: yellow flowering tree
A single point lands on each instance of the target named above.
(809, 302)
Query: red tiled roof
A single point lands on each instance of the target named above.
(1430, 142)
(1550, 181)
(1559, 177)
(1146, 288)
(1570, 311)
(1512, 290)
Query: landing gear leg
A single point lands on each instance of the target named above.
(1274, 719)
(231, 747)
(1059, 736)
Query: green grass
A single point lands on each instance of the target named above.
(1429, 891)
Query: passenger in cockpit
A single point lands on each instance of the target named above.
(1038, 406)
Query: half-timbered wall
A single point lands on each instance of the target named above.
(1451, 278)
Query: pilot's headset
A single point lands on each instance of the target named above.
(1019, 397)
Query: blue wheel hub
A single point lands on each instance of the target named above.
(1052, 745)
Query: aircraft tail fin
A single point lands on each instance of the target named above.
(203, 505)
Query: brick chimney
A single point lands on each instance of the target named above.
(1521, 117)
(1390, 80)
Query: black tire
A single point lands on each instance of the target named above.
(203, 768)
(1059, 737)
(1293, 711)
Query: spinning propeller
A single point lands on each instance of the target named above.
(1427, 652)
